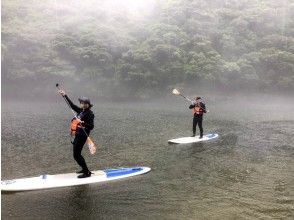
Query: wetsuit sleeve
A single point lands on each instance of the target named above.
(73, 106)
(203, 107)
(89, 122)
(191, 106)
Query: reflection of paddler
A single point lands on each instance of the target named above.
(198, 109)
(81, 126)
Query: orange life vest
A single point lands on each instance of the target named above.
(197, 110)
(74, 126)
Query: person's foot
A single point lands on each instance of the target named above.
(193, 135)
(81, 171)
(85, 175)
(200, 137)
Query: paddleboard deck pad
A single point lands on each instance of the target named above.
(188, 140)
(70, 179)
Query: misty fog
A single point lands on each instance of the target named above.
(142, 49)
(127, 56)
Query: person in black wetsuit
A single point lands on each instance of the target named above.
(198, 109)
(86, 122)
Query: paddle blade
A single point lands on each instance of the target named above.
(176, 92)
(91, 146)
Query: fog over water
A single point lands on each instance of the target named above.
(127, 56)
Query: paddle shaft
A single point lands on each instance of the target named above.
(191, 101)
(185, 97)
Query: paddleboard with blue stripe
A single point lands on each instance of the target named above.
(188, 140)
(70, 179)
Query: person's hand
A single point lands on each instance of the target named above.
(62, 92)
(80, 121)
(193, 102)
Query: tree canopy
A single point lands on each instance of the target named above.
(234, 44)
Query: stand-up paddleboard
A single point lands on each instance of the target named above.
(70, 179)
(188, 140)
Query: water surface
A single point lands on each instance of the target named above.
(247, 173)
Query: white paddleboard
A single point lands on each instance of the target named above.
(70, 179)
(188, 140)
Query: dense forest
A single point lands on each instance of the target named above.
(141, 48)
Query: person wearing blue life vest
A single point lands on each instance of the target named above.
(80, 128)
(198, 109)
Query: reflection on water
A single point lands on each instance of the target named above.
(246, 173)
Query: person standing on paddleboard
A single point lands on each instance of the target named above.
(198, 109)
(83, 123)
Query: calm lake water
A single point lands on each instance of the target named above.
(247, 173)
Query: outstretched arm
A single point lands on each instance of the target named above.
(72, 105)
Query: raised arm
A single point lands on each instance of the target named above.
(73, 106)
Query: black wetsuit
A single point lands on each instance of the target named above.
(80, 137)
(198, 118)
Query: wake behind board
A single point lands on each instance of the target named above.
(188, 140)
(70, 179)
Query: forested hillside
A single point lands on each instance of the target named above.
(148, 47)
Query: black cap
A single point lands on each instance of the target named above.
(198, 98)
(85, 100)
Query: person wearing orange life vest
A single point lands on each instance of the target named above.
(84, 123)
(198, 109)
